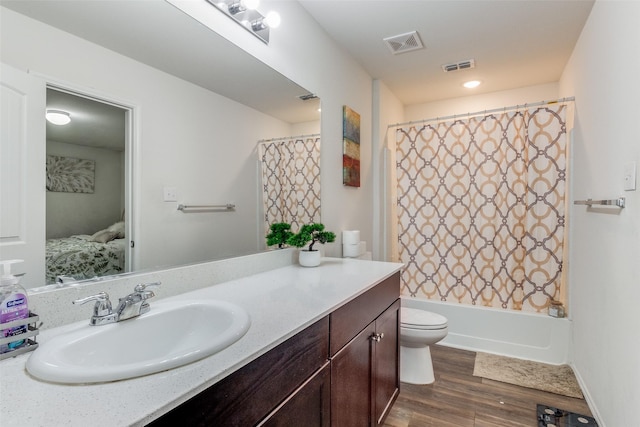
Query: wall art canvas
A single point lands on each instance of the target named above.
(351, 148)
(70, 175)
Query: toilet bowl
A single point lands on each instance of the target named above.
(418, 330)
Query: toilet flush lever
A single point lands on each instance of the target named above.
(377, 337)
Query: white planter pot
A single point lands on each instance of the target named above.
(309, 258)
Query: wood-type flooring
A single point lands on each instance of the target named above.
(458, 399)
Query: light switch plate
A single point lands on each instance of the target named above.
(630, 176)
(170, 194)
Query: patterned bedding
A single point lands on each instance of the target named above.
(80, 258)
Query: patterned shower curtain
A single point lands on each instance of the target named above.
(291, 180)
(481, 208)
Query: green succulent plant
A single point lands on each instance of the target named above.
(280, 233)
(311, 233)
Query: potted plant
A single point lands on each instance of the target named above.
(280, 233)
(314, 233)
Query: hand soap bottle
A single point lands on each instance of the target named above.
(13, 305)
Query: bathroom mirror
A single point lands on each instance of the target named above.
(203, 80)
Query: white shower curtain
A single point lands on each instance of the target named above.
(290, 169)
(481, 209)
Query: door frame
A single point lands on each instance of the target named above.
(131, 167)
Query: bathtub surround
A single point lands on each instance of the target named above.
(507, 332)
(481, 207)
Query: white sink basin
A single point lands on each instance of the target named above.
(172, 334)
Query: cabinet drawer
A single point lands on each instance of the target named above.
(347, 321)
(249, 394)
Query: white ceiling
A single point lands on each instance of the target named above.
(93, 124)
(515, 43)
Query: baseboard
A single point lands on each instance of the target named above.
(587, 396)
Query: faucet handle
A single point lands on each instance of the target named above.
(102, 306)
(141, 287)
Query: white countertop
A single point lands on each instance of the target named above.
(281, 303)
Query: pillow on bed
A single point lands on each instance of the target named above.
(104, 236)
(117, 228)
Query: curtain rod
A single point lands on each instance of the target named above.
(263, 141)
(495, 110)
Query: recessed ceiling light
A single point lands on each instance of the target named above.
(58, 117)
(471, 84)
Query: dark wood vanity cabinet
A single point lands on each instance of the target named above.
(341, 371)
(281, 379)
(365, 375)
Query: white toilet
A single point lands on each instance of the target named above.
(418, 330)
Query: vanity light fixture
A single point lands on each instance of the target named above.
(272, 20)
(236, 7)
(58, 117)
(471, 84)
(245, 13)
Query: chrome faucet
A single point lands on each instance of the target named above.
(132, 305)
(102, 312)
(135, 304)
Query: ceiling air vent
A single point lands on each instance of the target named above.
(308, 96)
(462, 65)
(404, 42)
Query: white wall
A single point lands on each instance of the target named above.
(487, 101)
(604, 268)
(86, 213)
(317, 63)
(207, 151)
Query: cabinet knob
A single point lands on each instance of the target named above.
(377, 337)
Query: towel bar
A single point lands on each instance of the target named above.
(619, 202)
(228, 206)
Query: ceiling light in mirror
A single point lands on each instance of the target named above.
(471, 84)
(58, 117)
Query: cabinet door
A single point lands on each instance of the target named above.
(351, 383)
(309, 406)
(386, 372)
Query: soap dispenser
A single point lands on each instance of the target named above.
(13, 305)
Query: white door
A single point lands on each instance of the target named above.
(22, 172)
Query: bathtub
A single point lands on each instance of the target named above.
(510, 333)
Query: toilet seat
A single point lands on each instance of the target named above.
(413, 318)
